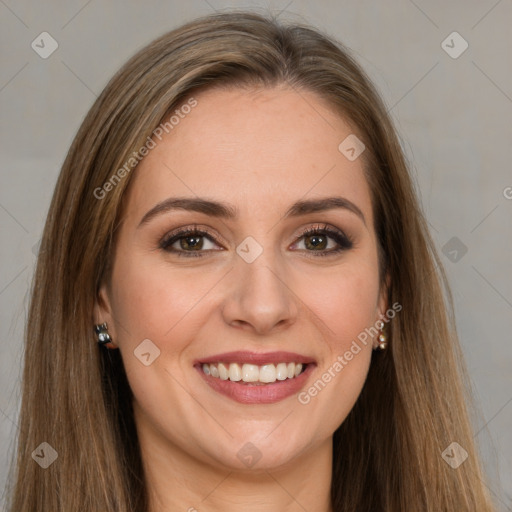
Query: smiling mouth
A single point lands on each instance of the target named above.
(254, 374)
(250, 377)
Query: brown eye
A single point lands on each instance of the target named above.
(194, 242)
(188, 242)
(317, 241)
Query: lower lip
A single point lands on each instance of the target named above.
(247, 393)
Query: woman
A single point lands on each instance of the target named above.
(237, 302)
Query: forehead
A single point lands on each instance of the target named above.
(256, 148)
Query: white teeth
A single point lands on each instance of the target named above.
(247, 372)
(250, 373)
(235, 373)
(223, 372)
(268, 373)
(281, 371)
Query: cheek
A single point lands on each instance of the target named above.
(151, 301)
(154, 302)
(349, 311)
(345, 303)
(345, 300)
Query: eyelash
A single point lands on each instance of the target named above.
(344, 242)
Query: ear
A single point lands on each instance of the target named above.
(103, 313)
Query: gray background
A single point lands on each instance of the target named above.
(453, 116)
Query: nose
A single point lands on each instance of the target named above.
(259, 296)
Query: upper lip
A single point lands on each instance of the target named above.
(257, 358)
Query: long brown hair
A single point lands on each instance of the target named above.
(75, 397)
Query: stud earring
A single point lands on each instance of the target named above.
(103, 335)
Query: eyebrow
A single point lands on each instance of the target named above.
(230, 212)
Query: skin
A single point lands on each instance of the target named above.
(260, 150)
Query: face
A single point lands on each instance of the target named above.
(270, 275)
